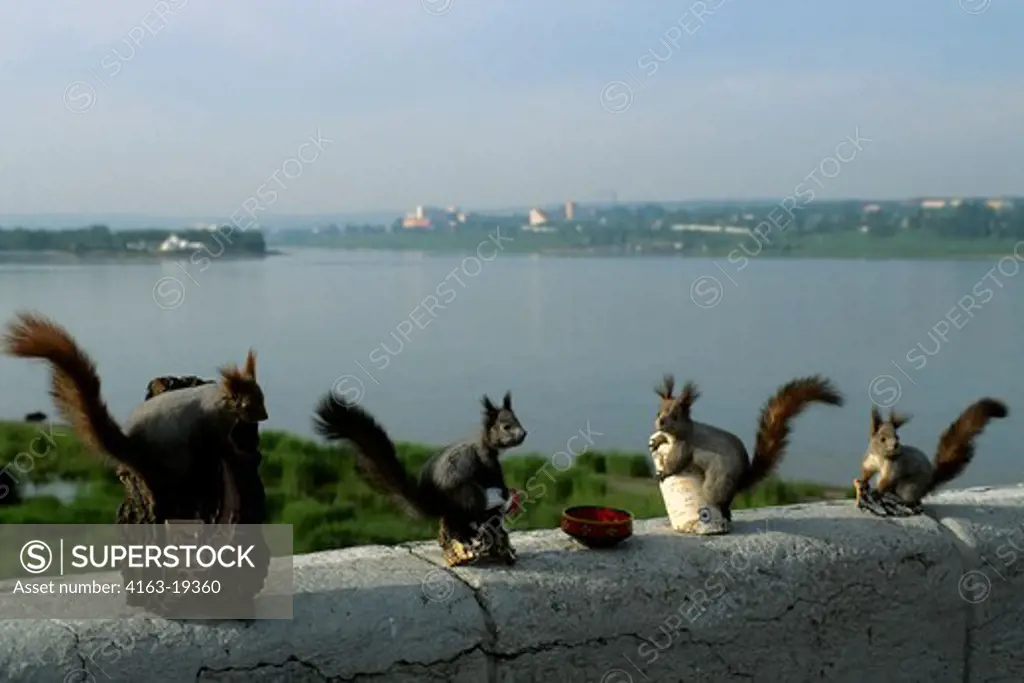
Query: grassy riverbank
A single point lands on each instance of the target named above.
(315, 488)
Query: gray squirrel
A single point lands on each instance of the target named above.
(463, 485)
(680, 443)
(160, 433)
(905, 471)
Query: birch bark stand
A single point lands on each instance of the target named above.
(688, 510)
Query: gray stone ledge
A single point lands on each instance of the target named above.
(802, 593)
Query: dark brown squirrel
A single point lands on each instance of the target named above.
(463, 485)
(160, 431)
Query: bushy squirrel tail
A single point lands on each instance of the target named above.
(75, 385)
(376, 460)
(773, 431)
(956, 445)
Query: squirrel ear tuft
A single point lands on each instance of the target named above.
(664, 390)
(229, 371)
(250, 364)
(506, 401)
(489, 407)
(898, 419)
(688, 395)
(876, 419)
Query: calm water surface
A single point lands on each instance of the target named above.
(578, 342)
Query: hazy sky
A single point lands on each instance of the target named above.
(499, 102)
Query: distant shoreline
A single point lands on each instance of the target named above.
(585, 252)
(902, 252)
(43, 256)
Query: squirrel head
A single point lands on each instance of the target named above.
(885, 437)
(674, 413)
(502, 428)
(242, 394)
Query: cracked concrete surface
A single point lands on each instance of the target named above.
(808, 592)
(987, 526)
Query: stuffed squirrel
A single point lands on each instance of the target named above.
(681, 443)
(463, 485)
(160, 432)
(905, 471)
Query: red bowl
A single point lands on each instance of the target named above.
(597, 527)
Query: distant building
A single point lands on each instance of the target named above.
(934, 204)
(539, 221)
(537, 217)
(999, 204)
(175, 243)
(429, 218)
(418, 219)
(570, 210)
(729, 229)
(414, 223)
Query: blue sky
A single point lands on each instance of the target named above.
(498, 103)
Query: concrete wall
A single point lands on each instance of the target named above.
(809, 592)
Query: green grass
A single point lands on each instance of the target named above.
(315, 488)
(902, 245)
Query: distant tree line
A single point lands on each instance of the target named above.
(969, 219)
(99, 239)
(621, 225)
